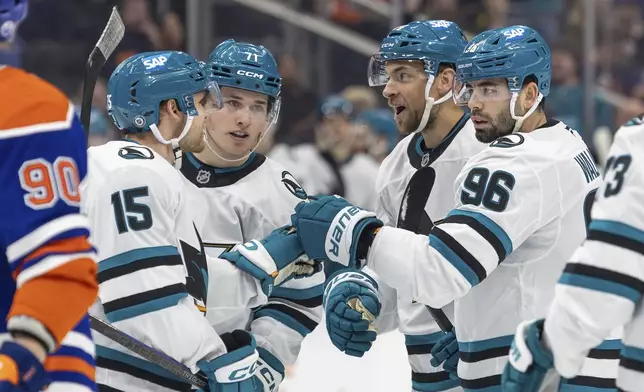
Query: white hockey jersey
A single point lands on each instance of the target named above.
(244, 203)
(151, 266)
(601, 287)
(359, 175)
(519, 216)
(413, 319)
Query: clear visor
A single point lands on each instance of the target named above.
(209, 100)
(274, 111)
(480, 91)
(402, 71)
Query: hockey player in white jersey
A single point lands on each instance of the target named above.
(519, 210)
(152, 267)
(248, 196)
(416, 64)
(600, 288)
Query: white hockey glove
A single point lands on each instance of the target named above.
(274, 260)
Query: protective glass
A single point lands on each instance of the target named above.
(377, 72)
(463, 93)
(210, 100)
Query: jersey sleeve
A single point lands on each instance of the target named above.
(143, 244)
(388, 319)
(500, 204)
(43, 236)
(603, 282)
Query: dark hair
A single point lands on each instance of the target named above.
(533, 79)
(444, 66)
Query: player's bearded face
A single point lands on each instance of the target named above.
(237, 128)
(405, 93)
(490, 110)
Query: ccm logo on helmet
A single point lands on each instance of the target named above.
(154, 62)
(250, 74)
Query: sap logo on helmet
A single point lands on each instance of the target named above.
(250, 74)
(514, 33)
(439, 23)
(154, 61)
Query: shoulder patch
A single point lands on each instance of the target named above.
(508, 141)
(135, 152)
(293, 186)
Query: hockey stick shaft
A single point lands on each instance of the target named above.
(155, 356)
(409, 218)
(109, 40)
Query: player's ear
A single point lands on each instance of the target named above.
(445, 80)
(529, 94)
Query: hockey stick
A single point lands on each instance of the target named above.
(409, 218)
(109, 40)
(155, 356)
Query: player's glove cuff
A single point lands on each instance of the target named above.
(270, 371)
(273, 260)
(238, 364)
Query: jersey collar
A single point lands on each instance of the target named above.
(421, 156)
(206, 176)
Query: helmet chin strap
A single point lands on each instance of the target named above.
(519, 119)
(175, 141)
(207, 137)
(429, 103)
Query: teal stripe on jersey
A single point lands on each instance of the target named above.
(635, 353)
(490, 224)
(612, 344)
(108, 353)
(601, 285)
(619, 229)
(291, 293)
(145, 307)
(284, 319)
(565, 387)
(135, 255)
(430, 338)
(454, 259)
(439, 386)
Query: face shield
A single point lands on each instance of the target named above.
(258, 113)
(492, 91)
(479, 91)
(405, 72)
(209, 100)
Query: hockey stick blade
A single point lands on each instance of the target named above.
(155, 356)
(109, 40)
(409, 218)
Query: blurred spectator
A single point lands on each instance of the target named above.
(299, 105)
(101, 129)
(362, 97)
(142, 34)
(566, 99)
(379, 134)
(173, 32)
